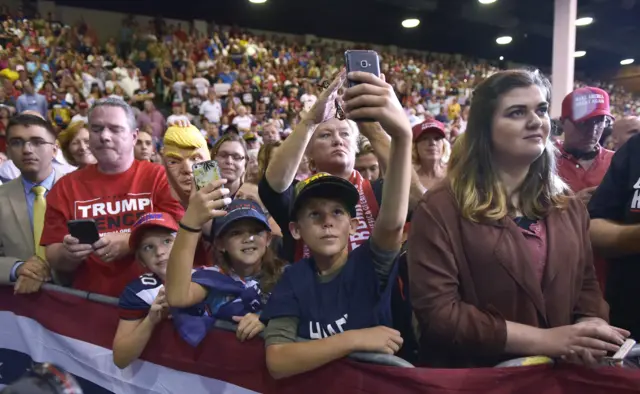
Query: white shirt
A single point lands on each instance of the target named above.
(212, 111)
(202, 85)
(242, 122)
(79, 118)
(9, 171)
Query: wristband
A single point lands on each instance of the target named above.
(189, 229)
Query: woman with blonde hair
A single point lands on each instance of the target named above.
(264, 157)
(74, 142)
(500, 262)
(431, 152)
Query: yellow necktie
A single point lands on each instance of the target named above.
(39, 207)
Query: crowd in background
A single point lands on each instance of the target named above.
(454, 145)
(227, 78)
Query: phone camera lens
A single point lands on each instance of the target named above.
(364, 64)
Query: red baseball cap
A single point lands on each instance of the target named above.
(152, 219)
(428, 125)
(585, 103)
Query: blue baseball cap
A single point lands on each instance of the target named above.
(240, 209)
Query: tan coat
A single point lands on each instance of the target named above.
(16, 234)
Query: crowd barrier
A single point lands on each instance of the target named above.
(76, 333)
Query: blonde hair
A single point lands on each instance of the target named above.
(473, 176)
(65, 138)
(184, 137)
(264, 157)
(446, 153)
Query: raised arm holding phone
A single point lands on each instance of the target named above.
(311, 298)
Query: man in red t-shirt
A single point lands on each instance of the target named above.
(115, 192)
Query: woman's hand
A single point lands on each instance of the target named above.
(582, 342)
(206, 204)
(324, 108)
(249, 326)
(374, 99)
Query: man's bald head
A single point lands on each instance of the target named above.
(624, 129)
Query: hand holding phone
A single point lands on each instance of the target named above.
(366, 61)
(85, 230)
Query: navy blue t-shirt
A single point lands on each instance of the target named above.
(356, 298)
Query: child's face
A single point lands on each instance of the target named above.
(324, 225)
(155, 248)
(246, 242)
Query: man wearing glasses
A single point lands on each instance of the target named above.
(583, 162)
(31, 145)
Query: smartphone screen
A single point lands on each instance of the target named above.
(85, 230)
(205, 172)
(367, 61)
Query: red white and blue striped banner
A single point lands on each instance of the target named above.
(77, 334)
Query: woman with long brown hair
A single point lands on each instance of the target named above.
(500, 261)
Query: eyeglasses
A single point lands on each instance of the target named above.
(35, 143)
(225, 155)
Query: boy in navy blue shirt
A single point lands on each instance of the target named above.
(340, 300)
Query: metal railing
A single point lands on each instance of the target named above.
(366, 357)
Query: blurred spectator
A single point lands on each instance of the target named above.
(151, 116)
(74, 143)
(624, 129)
(583, 162)
(144, 148)
(30, 100)
(211, 109)
(430, 152)
(367, 164)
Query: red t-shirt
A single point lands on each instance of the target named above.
(115, 202)
(576, 176)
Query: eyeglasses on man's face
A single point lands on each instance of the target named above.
(35, 143)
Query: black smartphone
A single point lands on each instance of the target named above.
(367, 61)
(85, 230)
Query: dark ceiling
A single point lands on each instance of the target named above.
(452, 26)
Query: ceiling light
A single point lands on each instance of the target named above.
(486, 1)
(504, 40)
(587, 20)
(626, 62)
(501, 57)
(410, 23)
(257, 1)
(579, 53)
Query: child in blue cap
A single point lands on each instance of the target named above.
(246, 270)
